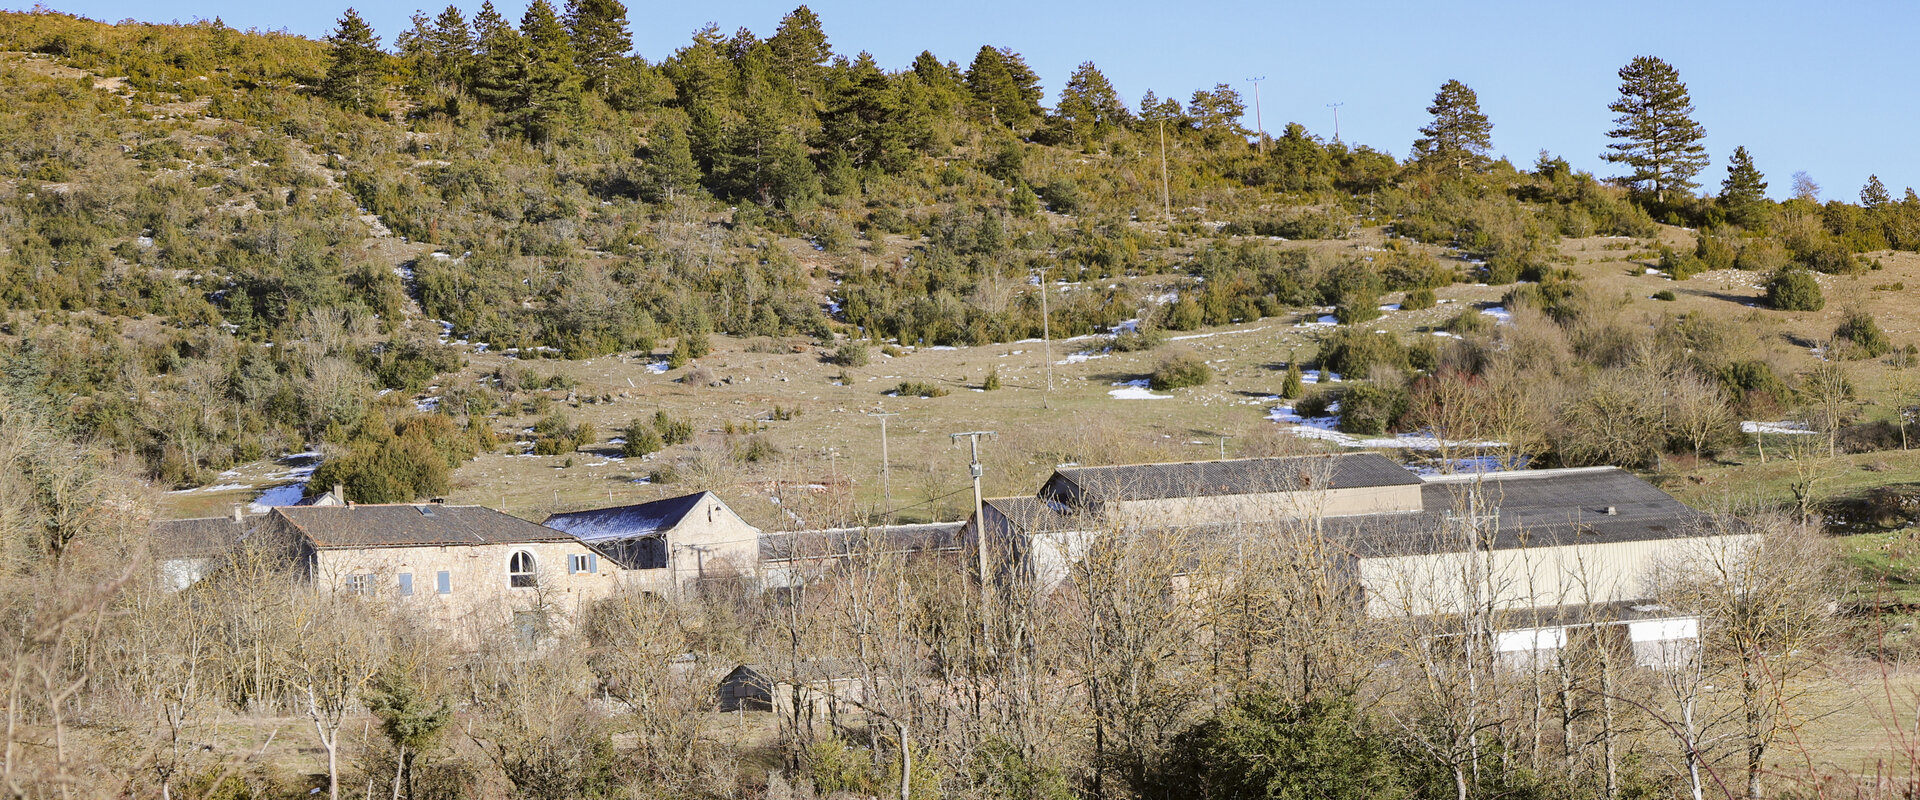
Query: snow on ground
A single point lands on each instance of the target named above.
(1081, 358)
(1210, 335)
(1469, 466)
(1785, 426)
(427, 405)
(1499, 314)
(1325, 321)
(286, 495)
(657, 367)
(1390, 307)
(1327, 429)
(1136, 390)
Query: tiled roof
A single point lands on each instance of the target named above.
(330, 527)
(198, 538)
(836, 542)
(1237, 476)
(623, 522)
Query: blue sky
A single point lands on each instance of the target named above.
(1825, 87)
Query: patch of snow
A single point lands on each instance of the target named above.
(1082, 358)
(657, 367)
(278, 496)
(1499, 314)
(427, 405)
(1390, 307)
(1327, 429)
(943, 347)
(1783, 427)
(1210, 335)
(1136, 390)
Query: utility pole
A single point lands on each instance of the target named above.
(1260, 140)
(1336, 119)
(1166, 197)
(979, 524)
(1046, 340)
(886, 471)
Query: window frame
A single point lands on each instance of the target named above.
(523, 575)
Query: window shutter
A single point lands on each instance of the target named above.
(406, 584)
(444, 582)
(571, 562)
(593, 563)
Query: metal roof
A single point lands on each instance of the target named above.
(1528, 509)
(201, 537)
(625, 522)
(1230, 477)
(840, 542)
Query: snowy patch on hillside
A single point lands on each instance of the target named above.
(1136, 390)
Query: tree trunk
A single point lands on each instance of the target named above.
(399, 771)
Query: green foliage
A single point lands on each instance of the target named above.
(1290, 385)
(672, 431)
(1743, 195)
(1665, 295)
(396, 463)
(918, 389)
(640, 438)
(1794, 289)
(1370, 409)
(1457, 140)
(1356, 353)
(1862, 336)
(1419, 300)
(1656, 136)
(353, 78)
(1264, 746)
(556, 435)
(1180, 370)
(851, 354)
(992, 380)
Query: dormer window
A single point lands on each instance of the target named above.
(521, 572)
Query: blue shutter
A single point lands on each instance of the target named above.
(593, 563)
(444, 582)
(570, 562)
(406, 584)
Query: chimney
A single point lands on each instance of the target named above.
(1611, 511)
(340, 493)
(236, 512)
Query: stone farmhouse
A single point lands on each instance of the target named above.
(668, 544)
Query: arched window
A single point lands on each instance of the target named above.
(521, 571)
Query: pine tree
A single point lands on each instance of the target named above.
(1874, 194)
(1458, 138)
(1656, 136)
(353, 72)
(549, 88)
(598, 29)
(1004, 88)
(1089, 110)
(437, 51)
(863, 115)
(500, 53)
(670, 169)
(800, 52)
(1744, 193)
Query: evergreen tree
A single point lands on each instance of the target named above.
(1300, 162)
(353, 69)
(670, 169)
(1744, 193)
(598, 29)
(498, 57)
(863, 117)
(1874, 194)
(1003, 88)
(1216, 115)
(437, 51)
(1656, 136)
(1089, 109)
(1156, 112)
(800, 52)
(1458, 138)
(549, 88)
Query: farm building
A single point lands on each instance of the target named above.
(669, 543)
(186, 550)
(1524, 541)
(822, 687)
(469, 569)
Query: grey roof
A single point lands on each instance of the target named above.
(624, 522)
(202, 537)
(841, 542)
(1236, 476)
(331, 527)
(1534, 509)
(1034, 515)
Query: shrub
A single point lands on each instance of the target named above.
(1794, 290)
(672, 431)
(1665, 294)
(1138, 339)
(641, 439)
(1356, 353)
(1419, 300)
(1754, 386)
(1316, 402)
(851, 354)
(756, 448)
(1264, 746)
(1369, 408)
(918, 389)
(1468, 321)
(1291, 385)
(993, 379)
(1679, 266)
(1863, 336)
(1180, 371)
